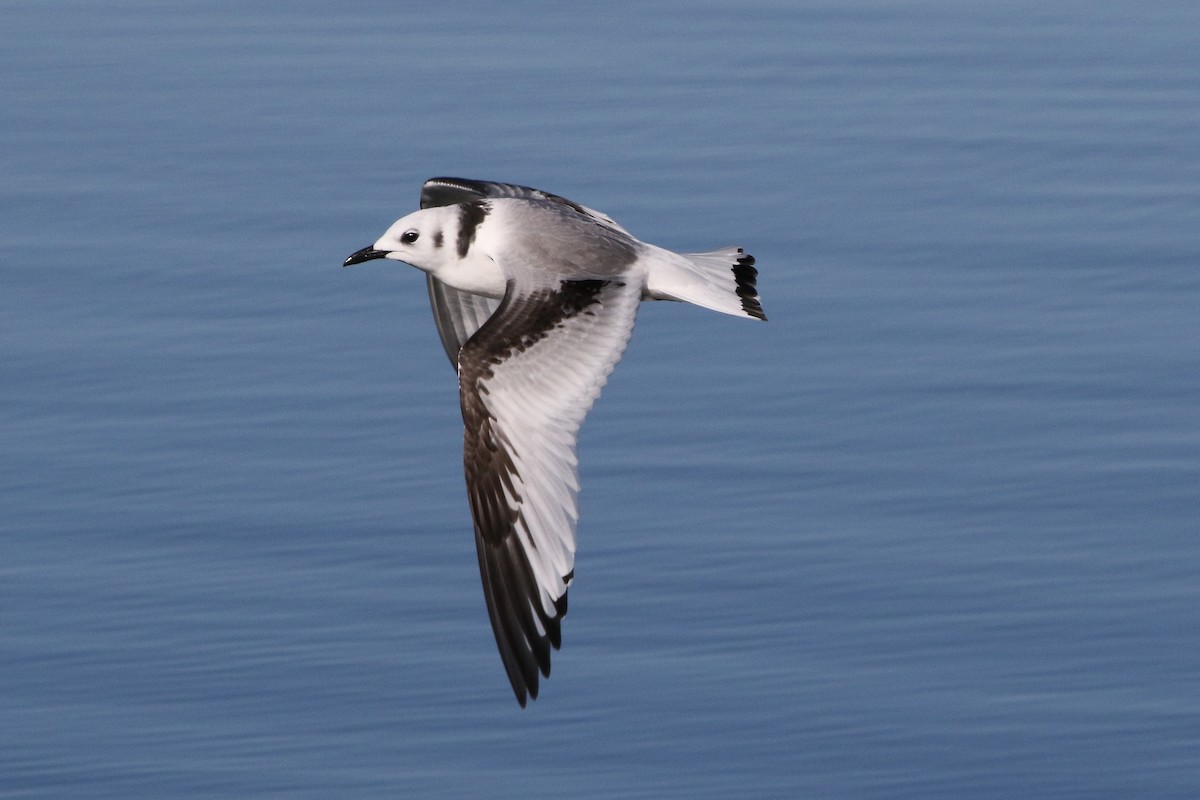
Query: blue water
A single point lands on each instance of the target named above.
(931, 532)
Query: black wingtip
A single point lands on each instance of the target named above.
(747, 286)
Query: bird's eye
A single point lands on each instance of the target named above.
(408, 237)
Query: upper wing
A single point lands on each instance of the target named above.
(527, 379)
(456, 313)
(449, 191)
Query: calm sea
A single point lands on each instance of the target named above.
(931, 532)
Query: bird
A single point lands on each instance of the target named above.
(534, 297)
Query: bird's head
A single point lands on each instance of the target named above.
(424, 239)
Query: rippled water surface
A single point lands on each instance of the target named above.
(931, 532)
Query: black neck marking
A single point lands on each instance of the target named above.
(470, 216)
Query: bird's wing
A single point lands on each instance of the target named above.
(456, 313)
(527, 379)
(449, 191)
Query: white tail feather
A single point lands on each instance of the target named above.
(723, 280)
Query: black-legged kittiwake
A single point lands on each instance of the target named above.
(535, 297)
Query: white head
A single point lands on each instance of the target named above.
(427, 239)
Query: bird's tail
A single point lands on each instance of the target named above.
(723, 280)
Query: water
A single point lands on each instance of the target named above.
(930, 532)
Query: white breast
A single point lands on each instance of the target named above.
(477, 274)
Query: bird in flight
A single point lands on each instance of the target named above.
(534, 297)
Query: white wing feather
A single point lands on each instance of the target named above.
(527, 379)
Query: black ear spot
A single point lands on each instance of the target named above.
(408, 237)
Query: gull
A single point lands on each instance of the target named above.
(534, 297)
